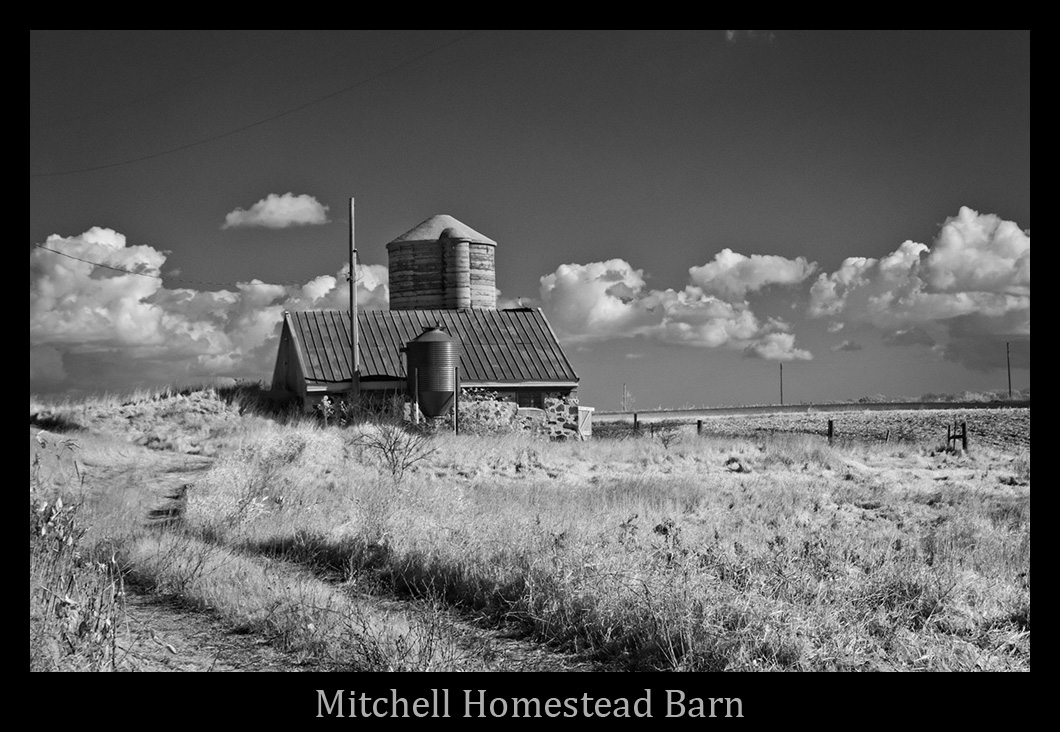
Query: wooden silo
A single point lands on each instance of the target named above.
(442, 264)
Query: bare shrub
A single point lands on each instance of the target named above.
(398, 448)
(669, 436)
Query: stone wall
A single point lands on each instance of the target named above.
(488, 416)
(561, 418)
(488, 413)
(482, 412)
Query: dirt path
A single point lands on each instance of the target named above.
(166, 634)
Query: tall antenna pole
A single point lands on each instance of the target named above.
(782, 384)
(1008, 362)
(355, 335)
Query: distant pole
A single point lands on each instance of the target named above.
(355, 335)
(781, 384)
(1008, 362)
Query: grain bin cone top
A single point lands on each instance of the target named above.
(433, 229)
(442, 264)
(432, 358)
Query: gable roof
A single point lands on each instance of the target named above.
(442, 224)
(497, 346)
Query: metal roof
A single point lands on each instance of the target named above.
(497, 346)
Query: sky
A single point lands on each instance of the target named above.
(693, 211)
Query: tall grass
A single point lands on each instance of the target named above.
(76, 591)
(684, 553)
(90, 540)
(661, 556)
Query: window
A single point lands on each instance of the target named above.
(531, 399)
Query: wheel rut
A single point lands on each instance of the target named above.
(167, 633)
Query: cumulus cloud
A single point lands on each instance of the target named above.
(975, 253)
(731, 275)
(598, 299)
(610, 299)
(777, 347)
(112, 307)
(279, 212)
(129, 329)
(964, 296)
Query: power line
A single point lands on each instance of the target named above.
(159, 276)
(97, 264)
(260, 122)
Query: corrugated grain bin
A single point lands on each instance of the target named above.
(432, 359)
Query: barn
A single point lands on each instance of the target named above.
(441, 275)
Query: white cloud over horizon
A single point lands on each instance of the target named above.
(964, 296)
(130, 327)
(279, 212)
(610, 299)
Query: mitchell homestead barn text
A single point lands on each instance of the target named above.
(443, 300)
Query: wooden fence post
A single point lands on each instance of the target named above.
(699, 426)
(831, 432)
(635, 425)
(952, 435)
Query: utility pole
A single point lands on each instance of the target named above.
(782, 384)
(355, 335)
(1008, 362)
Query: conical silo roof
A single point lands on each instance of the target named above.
(442, 226)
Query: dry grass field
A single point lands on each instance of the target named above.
(747, 548)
